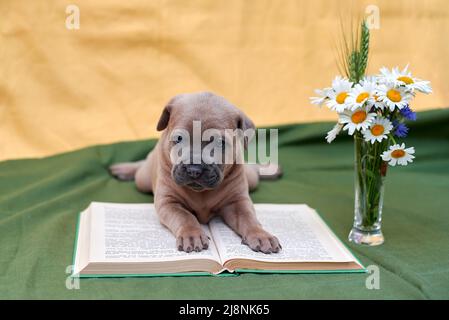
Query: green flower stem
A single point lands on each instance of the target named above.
(369, 180)
(392, 138)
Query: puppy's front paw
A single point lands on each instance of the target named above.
(261, 241)
(191, 239)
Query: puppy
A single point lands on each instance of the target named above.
(187, 194)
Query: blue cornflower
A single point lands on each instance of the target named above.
(401, 130)
(408, 114)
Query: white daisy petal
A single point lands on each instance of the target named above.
(331, 135)
(392, 96)
(378, 130)
(403, 78)
(339, 94)
(398, 154)
(362, 93)
(323, 95)
(358, 119)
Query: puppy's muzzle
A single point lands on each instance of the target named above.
(194, 170)
(197, 176)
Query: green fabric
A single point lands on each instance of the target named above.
(41, 198)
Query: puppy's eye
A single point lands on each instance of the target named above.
(177, 139)
(220, 142)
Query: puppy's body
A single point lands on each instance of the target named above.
(182, 208)
(204, 205)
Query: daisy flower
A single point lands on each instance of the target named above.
(377, 103)
(398, 154)
(378, 130)
(323, 95)
(358, 119)
(339, 94)
(331, 135)
(362, 93)
(405, 78)
(392, 96)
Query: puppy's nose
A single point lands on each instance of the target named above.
(194, 170)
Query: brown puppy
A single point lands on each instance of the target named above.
(186, 195)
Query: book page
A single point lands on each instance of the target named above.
(303, 235)
(133, 233)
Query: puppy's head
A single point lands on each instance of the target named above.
(202, 138)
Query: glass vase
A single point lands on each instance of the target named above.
(370, 171)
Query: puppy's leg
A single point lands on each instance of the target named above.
(241, 217)
(252, 175)
(125, 170)
(140, 171)
(145, 174)
(183, 224)
(256, 172)
(269, 171)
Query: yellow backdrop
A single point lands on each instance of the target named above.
(62, 89)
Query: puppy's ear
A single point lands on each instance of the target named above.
(244, 123)
(165, 116)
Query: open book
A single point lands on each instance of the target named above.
(128, 239)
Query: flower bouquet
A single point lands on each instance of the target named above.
(372, 109)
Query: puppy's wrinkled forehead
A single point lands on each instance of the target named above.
(211, 110)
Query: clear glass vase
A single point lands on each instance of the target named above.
(370, 171)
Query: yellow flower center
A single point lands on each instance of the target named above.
(341, 97)
(362, 97)
(376, 98)
(358, 117)
(398, 153)
(406, 80)
(394, 95)
(377, 130)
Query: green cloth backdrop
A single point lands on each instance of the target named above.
(41, 198)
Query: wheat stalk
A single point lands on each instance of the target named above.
(354, 53)
(364, 48)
